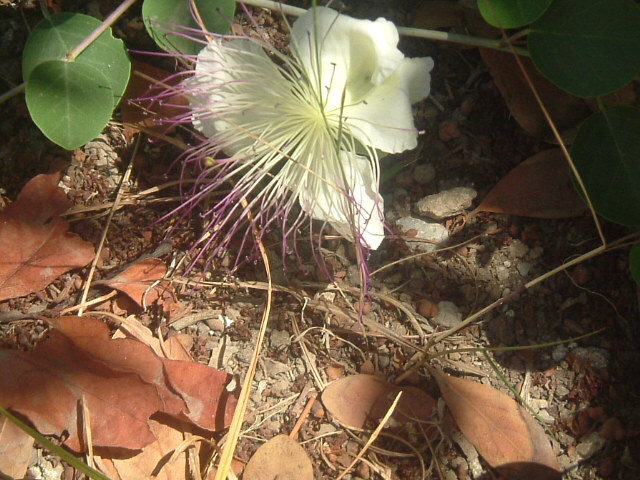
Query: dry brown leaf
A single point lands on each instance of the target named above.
(123, 383)
(173, 347)
(565, 109)
(16, 449)
(360, 401)
(153, 460)
(281, 458)
(539, 187)
(501, 430)
(36, 246)
(139, 282)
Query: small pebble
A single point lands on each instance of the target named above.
(594, 356)
(524, 268)
(424, 173)
(448, 314)
(589, 445)
(446, 203)
(449, 129)
(427, 308)
(279, 339)
(428, 235)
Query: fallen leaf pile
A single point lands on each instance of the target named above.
(121, 382)
(36, 246)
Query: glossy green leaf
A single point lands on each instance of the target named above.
(70, 102)
(588, 47)
(512, 13)
(54, 36)
(165, 19)
(606, 152)
(634, 262)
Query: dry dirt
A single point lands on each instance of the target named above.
(576, 388)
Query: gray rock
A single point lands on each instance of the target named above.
(422, 236)
(424, 173)
(594, 356)
(279, 339)
(517, 249)
(448, 315)
(589, 445)
(446, 203)
(524, 268)
(559, 352)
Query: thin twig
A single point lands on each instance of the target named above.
(224, 465)
(94, 264)
(106, 23)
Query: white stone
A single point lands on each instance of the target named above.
(446, 203)
(424, 236)
(448, 314)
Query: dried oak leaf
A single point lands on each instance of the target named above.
(565, 110)
(37, 248)
(503, 432)
(267, 463)
(122, 382)
(143, 283)
(156, 461)
(360, 401)
(539, 187)
(16, 449)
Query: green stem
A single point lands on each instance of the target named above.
(12, 93)
(107, 23)
(495, 44)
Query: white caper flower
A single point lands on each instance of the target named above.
(307, 128)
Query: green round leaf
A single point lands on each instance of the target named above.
(588, 47)
(634, 262)
(54, 36)
(606, 152)
(512, 13)
(70, 102)
(164, 18)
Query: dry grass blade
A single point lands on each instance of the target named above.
(224, 466)
(373, 437)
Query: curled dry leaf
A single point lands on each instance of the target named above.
(360, 401)
(143, 283)
(506, 436)
(565, 110)
(36, 246)
(539, 187)
(122, 381)
(281, 458)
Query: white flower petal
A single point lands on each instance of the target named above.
(228, 70)
(358, 206)
(345, 54)
(384, 119)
